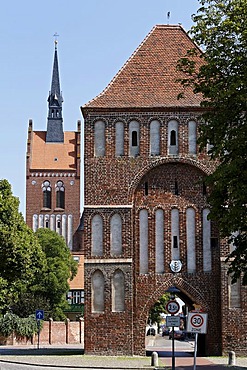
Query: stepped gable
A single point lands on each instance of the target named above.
(149, 77)
(55, 156)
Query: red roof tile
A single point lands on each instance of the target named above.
(53, 156)
(149, 77)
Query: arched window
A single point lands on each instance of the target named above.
(118, 291)
(99, 139)
(143, 227)
(116, 235)
(154, 138)
(60, 195)
(97, 236)
(173, 137)
(134, 133)
(119, 140)
(98, 291)
(46, 188)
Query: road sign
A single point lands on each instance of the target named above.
(39, 314)
(172, 320)
(197, 322)
(172, 307)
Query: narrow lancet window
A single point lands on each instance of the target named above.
(46, 188)
(60, 195)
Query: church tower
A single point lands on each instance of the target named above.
(53, 171)
(55, 100)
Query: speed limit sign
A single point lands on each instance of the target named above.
(172, 307)
(197, 322)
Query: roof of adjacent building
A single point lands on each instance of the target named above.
(149, 77)
(53, 156)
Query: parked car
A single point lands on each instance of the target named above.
(151, 331)
(178, 334)
(165, 331)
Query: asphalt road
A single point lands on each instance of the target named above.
(163, 346)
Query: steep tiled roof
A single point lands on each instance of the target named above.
(53, 156)
(148, 78)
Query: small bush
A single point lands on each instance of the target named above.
(22, 327)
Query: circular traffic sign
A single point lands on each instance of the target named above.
(196, 320)
(172, 307)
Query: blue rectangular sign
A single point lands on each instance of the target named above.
(39, 314)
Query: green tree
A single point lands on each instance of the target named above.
(155, 314)
(221, 31)
(21, 257)
(53, 284)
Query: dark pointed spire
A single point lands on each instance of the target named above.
(55, 100)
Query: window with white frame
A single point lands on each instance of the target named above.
(75, 297)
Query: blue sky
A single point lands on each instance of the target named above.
(96, 37)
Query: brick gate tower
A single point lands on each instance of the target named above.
(53, 171)
(145, 213)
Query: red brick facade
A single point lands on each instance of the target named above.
(126, 184)
(46, 162)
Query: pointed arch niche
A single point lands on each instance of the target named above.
(191, 239)
(143, 227)
(118, 291)
(154, 138)
(159, 241)
(116, 235)
(97, 235)
(98, 291)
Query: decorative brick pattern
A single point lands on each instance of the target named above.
(143, 92)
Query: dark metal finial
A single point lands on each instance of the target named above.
(168, 16)
(56, 35)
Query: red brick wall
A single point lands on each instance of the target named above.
(56, 333)
(115, 184)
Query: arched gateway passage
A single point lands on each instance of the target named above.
(190, 303)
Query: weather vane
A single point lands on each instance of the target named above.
(56, 35)
(168, 16)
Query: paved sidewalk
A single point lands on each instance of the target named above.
(70, 357)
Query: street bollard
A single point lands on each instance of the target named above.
(154, 359)
(232, 358)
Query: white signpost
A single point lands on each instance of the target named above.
(173, 307)
(197, 323)
(172, 321)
